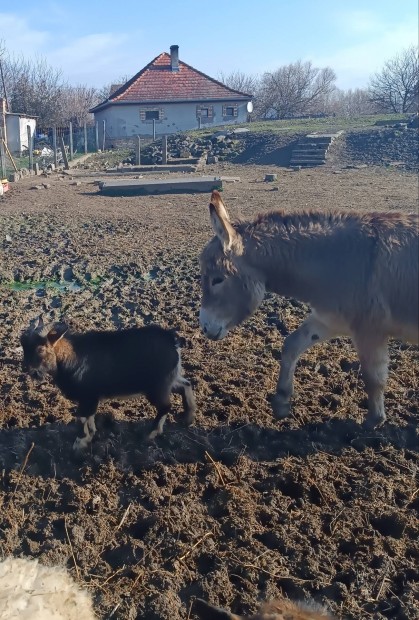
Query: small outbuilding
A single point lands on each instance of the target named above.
(17, 131)
(169, 96)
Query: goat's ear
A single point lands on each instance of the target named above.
(56, 333)
(204, 611)
(221, 222)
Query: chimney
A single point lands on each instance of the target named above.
(174, 57)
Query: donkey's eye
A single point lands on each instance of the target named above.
(216, 281)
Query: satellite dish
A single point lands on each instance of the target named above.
(249, 107)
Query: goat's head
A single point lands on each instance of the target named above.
(39, 354)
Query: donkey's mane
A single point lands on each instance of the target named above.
(300, 220)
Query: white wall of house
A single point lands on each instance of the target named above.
(17, 133)
(127, 120)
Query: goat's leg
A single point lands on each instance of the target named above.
(311, 332)
(86, 413)
(183, 387)
(373, 355)
(162, 403)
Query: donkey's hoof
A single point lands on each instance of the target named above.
(280, 408)
(373, 420)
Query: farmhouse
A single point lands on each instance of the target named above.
(170, 96)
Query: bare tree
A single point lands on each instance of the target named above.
(107, 90)
(396, 87)
(33, 87)
(294, 89)
(76, 102)
(351, 102)
(237, 80)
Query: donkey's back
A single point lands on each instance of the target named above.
(394, 286)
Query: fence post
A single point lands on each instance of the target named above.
(54, 145)
(85, 138)
(97, 135)
(138, 151)
(104, 134)
(154, 129)
(30, 147)
(3, 170)
(164, 149)
(70, 134)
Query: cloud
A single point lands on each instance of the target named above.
(95, 58)
(19, 37)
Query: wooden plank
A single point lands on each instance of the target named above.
(70, 135)
(30, 146)
(160, 186)
(54, 145)
(10, 156)
(62, 145)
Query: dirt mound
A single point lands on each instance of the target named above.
(384, 147)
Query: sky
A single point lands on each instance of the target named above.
(95, 43)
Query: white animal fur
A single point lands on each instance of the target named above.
(31, 591)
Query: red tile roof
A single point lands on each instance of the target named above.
(158, 83)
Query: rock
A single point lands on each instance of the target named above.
(271, 177)
(46, 185)
(67, 273)
(77, 183)
(8, 239)
(212, 159)
(38, 187)
(24, 172)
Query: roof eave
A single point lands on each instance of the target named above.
(109, 102)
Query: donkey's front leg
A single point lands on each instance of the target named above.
(373, 355)
(86, 413)
(311, 332)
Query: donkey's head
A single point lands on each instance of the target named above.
(39, 354)
(231, 290)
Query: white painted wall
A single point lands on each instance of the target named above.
(124, 120)
(16, 129)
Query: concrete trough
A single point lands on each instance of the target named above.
(152, 168)
(180, 185)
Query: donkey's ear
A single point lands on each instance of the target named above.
(204, 611)
(220, 221)
(56, 333)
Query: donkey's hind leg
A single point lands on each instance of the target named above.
(373, 355)
(312, 331)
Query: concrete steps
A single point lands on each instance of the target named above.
(311, 150)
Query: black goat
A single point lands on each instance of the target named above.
(97, 365)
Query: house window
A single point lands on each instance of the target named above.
(151, 115)
(205, 113)
(230, 111)
(147, 115)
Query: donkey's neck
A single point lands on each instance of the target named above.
(295, 255)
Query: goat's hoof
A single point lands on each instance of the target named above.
(187, 418)
(280, 408)
(373, 420)
(80, 444)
